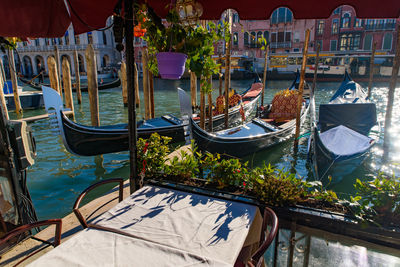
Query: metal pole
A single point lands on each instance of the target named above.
(301, 87)
(389, 106)
(371, 70)
(130, 61)
(228, 69)
(313, 86)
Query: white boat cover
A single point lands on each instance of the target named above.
(344, 141)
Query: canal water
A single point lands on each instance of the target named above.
(57, 177)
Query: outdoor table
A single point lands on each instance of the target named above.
(163, 227)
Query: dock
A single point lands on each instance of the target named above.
(42, 117)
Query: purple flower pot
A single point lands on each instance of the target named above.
(171, 65)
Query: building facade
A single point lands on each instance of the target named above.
(343, 32)
(30, 54)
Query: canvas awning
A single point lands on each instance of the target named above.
(51, 18)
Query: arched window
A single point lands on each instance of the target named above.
(368, 42)
(259, 37)
(77, 40)
(235, 38)
(346, 20)
(266, 36)
(252, 39)
(246, 39)
(104, 38)
(90, 38)
(387, 41)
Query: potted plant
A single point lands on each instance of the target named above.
(165, 41)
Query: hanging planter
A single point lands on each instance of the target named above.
(171, 65)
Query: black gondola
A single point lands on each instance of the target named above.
(250, 137)
(342, 137)
(90, 140)
(84, 88)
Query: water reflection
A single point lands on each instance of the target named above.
(58, 176)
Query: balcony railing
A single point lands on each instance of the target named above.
(50, 48)
(281, 45)
(384, 26)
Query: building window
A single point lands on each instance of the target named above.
(252, 39)
(235, 18)
(320, 43)
(77, 39)
(90, 38)
(104, 38)
(288, 36)
(349, 42)
(368, 42)
(66, 39)
(37, 42)
(259, 38)
(273, 37)
(336, 11)
(46, 41)
(357, 22)
(320, 27)
(335, 26)
(346, 20)
(387, 41)
(281, 37)
(281, 15)
(24, 43)
(235, 38)
(246, 39)
(266, 36)
(333, 45)
(370, 24)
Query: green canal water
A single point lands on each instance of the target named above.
(57, 177)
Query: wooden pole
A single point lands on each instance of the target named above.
(313, 86)
(151, 94)
(220, 75)
(228, 69)
(193, 89)
(52, 65)
(210, 105)
(389, 106)
(57, 57)
(77, 78)
(2, 98)
(301, 87)
(92, 85)
(136, 81)
(265, 74)
(124, 84)
(371, 70)
(14, 82)
(145, 86)
(66, 71)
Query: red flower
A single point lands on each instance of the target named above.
(244, 183)
(238, 170)
(145, 147)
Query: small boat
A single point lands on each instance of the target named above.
(84, 88)
(342, 137)
(253, 136)
(28, 99)
(95, 140)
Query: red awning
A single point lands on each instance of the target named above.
(51, 18)
(302, 9)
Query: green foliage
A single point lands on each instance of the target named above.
(184, 166)
(381, 195)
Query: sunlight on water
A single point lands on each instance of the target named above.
(58, 177)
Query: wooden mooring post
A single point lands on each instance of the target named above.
(66, 71)
(124, 84)
(136, 84)
(220, 75)
(301, 87)
(77, 78)
(312, 96)
(92, 85)
(2, 98)
(371, 69)
(151, 94)
(265, 74)
(13, 72)
(57, 58)
(389, 106)
(52, 65)
(193, 89)
(146, 94)
(202, 104)
(228, 69)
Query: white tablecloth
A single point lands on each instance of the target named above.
(170, 228)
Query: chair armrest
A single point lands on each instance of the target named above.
(27, 227)
(257, 257)
(78, 214)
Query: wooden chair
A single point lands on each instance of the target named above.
(257, 259)
(78, 201)
(27, 227)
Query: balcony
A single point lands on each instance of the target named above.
(384, 26)
(281, 45)
(50, 48)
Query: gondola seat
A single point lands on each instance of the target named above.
(254, 90)
(284, 105)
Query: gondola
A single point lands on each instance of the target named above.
(258, 134)
(90, 140)
(342, 136)
(84, 88)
